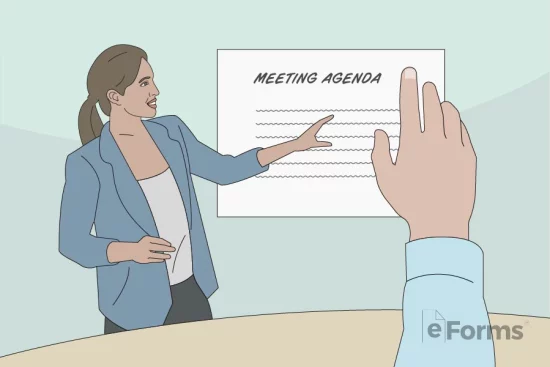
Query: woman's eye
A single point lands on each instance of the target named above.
(144, 84)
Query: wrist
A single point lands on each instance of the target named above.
(294, 145)
(118, 252)
(439, 229)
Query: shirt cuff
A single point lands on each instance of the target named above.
(103, 244)
(251, 159)
(444, 256)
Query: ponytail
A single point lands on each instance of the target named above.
(89, 122)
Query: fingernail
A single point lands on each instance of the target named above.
(410, 73)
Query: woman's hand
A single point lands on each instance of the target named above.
(309, 138)
(147, 250)
(304, 142)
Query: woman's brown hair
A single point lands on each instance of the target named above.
(115, 68)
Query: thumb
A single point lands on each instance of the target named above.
(381, 157)
(321, 144)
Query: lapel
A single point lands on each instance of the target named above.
(172, 151)
(128, 189)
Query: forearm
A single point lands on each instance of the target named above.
(269, 155)
(86, 250)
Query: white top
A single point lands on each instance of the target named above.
(168, 210)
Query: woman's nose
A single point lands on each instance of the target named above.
(155, 91)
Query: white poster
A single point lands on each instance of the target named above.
(266, 97)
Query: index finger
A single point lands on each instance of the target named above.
(317, 126)
(159, 241)
(408, 104)
(161, 248)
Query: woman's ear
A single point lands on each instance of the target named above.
(114, 97)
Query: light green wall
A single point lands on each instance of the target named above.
(497, 64)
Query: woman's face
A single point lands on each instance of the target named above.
(139, 99)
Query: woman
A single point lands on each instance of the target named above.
(131, 180)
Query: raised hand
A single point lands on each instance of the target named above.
(432, 183)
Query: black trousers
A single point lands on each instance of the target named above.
(188, 304)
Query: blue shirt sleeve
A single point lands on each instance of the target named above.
(78, 207)
(445, 319)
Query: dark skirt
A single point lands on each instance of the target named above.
(188, 304)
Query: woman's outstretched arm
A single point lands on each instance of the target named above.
(306, 141)
(206, 163)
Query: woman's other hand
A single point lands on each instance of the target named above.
(147, 250)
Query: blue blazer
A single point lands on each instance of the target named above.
(101, 190)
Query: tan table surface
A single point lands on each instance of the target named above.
(338, 338)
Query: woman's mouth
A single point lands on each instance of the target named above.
(152, 103)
